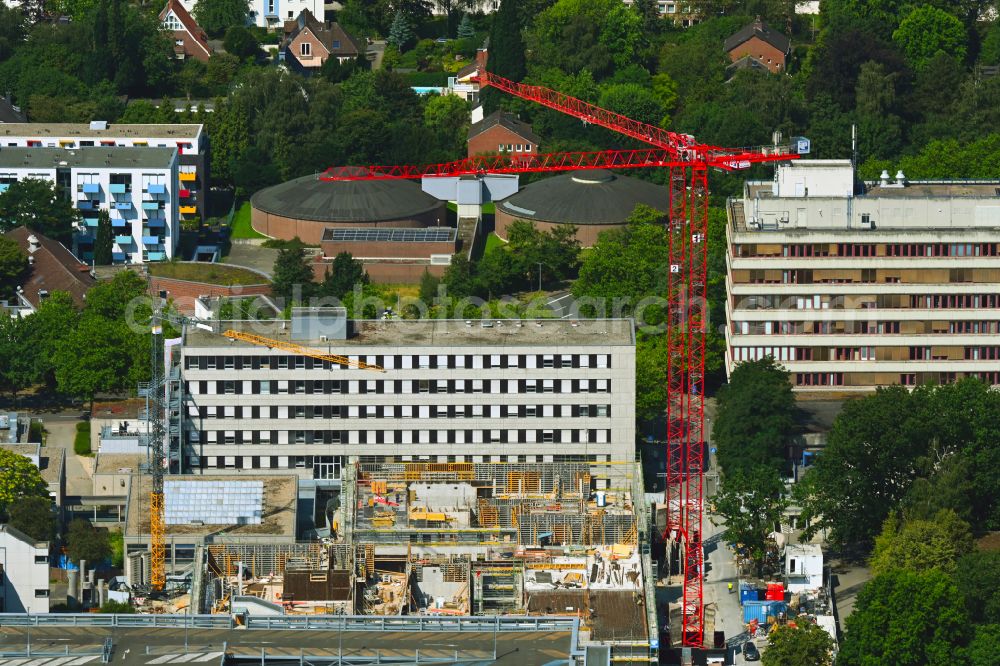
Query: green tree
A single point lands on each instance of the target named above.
(501, 272)
(906, 618)
(465, 29)
(241, 43)
(401, 32)
(633, 100)
(38, 205)
(292, 275)
(459, 277)
(429, 287)
(448, 117)
(755, 417)
(217, 16)
(13, 30)
(919, 545)
(100, 356)
(867, 466)
(804, 643)
(43, 335)
(19, 478)
(983, 646)
(113, 299)
(598, 35)
(13, 266)
(33, 515)
(751, 501)
(925, 31)
(626, 264)
(345, 272)
(977, 576)
(506, 53)
(86, 542)
(17, 358)
(651, 365)
(104, 240)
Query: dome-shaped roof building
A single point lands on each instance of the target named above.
(593, 201)
(306, 206)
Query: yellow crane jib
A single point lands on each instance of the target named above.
(299, 349)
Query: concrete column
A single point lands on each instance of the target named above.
(144, 559)
(83, 583)
(72, 588)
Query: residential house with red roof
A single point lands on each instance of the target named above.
(190, 41)
(52, 267)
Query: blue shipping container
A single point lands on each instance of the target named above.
(760, 610)
(749, 594)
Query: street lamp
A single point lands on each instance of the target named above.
(539, 276)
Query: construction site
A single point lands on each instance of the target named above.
(419, 539)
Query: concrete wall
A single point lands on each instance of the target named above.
(489, 141)
(311, 231)
(25, 573)
(586, 234)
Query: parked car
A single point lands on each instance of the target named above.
(750, 652)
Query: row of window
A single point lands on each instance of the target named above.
(395, 387)
(844, 328)
(563, 436)
(864, 353)
(330, 467)
(872, 250)
(887, 301)
(401, 411)
(399, 362)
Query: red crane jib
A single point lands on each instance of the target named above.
(540, 162)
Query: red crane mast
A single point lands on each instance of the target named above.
(687, 227)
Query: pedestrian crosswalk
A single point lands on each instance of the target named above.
(187, 658)
(206, 658)
(51, 661)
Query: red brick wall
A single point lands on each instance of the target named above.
(586, 234)
(388, 249)
(311, 231)
(389, 273)
(184, 292)
(761, 51)
(491, 139)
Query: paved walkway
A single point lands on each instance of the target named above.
(61, 429)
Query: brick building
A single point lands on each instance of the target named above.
(762, 43)
(190, 41)
(502, 132)
(310, 42)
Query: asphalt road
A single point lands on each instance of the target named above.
(154, 646)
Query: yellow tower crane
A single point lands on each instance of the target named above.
(299, 349)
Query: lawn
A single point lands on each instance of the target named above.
(493, 241)
(241, 224)
(204, 272)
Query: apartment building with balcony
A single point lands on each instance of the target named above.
(451, 391)
(190, 140)
(855, 285)
(137, 186)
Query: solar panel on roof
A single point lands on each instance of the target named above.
(425, 235)
(213, 502)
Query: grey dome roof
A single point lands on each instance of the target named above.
(583, 198)
(309, 198)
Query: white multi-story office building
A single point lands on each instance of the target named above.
(451, 391)
(856, 285)
(24, 573)
(135, 185)
(189, 139)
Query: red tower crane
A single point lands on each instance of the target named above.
(687, 226)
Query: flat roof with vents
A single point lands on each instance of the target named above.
(420, 235)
